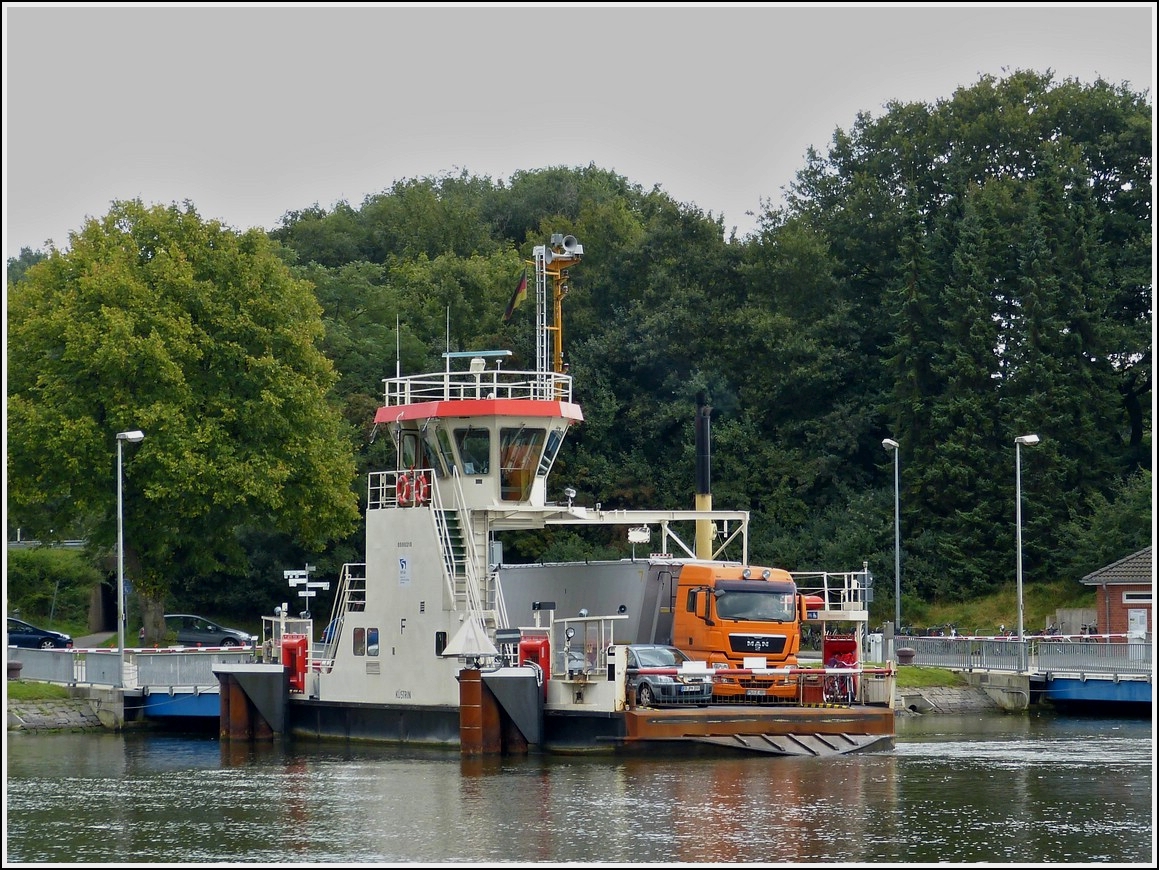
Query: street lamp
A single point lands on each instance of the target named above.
(133, 435)
(1028, 440)
(891, 445)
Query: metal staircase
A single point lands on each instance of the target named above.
(460, 550)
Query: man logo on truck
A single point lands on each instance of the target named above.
(748, 643)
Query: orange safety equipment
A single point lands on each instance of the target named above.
(295, 655)
(422, 489)
(403, 489)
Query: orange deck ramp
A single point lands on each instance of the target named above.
(791, 730)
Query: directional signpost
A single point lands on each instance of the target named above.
(309, 587)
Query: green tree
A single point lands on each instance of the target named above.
(1108, 528)
(18, 266)
(989, 249)
(158, 320)
(49, 585)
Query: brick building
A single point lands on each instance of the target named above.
(1125, 590)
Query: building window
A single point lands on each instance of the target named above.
(1137, 597)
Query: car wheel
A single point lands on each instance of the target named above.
(47, 643)
(646, 695)
(230, 641)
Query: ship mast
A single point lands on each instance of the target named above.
(551, 264)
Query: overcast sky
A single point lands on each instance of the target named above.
(252, 112)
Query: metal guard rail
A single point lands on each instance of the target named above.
(1082, 654)
(176, 667)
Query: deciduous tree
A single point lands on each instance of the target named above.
(157, 320)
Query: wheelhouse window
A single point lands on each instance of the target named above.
(519, 451)
(554, 440)
(474, 450)
(434, 457)
(444, 447)
(410, 451)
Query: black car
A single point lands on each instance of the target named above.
(20, 633)
(681, 685)
(192, 630)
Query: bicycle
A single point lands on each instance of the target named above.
(838, 688)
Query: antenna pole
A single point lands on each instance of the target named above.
(551, 264)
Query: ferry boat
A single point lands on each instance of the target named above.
(434, 641)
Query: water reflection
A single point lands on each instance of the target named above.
(957, 789)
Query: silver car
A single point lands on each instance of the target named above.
(192, 630)
(656, 676)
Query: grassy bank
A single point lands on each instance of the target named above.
(914, 677)
(21, 690)
(984, 615)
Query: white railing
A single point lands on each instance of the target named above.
(839, 592)
(163, 668)
(485, 384)
(1089, 654)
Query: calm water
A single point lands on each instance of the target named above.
(984, 788)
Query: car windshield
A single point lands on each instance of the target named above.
(659, 657)
(759, 606)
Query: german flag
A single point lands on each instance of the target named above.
(517, 297)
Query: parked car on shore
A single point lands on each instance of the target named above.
(22, 634)
(679, 686)
(193, 630)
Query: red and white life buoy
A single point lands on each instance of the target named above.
(403, 489)
(422, 489)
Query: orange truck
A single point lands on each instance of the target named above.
(735, 617)
(743, 620)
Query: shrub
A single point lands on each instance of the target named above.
(51, 584)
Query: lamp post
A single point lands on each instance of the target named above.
(891, 445)
(1028, 440)
(133, 435)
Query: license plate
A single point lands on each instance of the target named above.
(754, 693)
(690, 688)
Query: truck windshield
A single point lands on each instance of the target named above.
(758, 606)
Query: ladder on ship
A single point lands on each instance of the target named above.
(480, 597)
(351, 596)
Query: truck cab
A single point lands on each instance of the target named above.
(731, 615)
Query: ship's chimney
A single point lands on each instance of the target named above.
(704, 528)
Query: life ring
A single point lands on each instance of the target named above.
(403, 489)
(422, 489)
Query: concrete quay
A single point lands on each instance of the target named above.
(65, 714)
(90, 708)
(985, 692)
